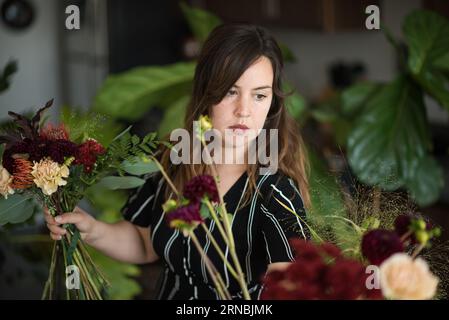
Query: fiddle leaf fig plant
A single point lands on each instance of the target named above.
(389, 145)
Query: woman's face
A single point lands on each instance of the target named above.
(246, 104)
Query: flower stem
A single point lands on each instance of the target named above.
(222, 290)
(220, 252)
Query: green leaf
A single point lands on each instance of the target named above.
(426, 33)
(296, 105)
(114, 183)
(204, 211)
(201, 22)
(442, 63)
(131, 94)
(138, 166)
(120, 275)
(427, 181)
(287, 54)
(5, 76)
(435, 84)
(390, 135)
(354, 98)
(173, 116)
(16, 209)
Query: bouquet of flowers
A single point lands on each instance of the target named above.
(40, 161)
(383, 263)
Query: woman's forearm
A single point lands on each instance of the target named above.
(122, 241)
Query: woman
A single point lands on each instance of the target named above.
(238, 84)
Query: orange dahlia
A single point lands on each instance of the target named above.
(22, 177)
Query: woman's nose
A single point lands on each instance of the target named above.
(243, 107)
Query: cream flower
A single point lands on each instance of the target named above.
(401, 277)
(5, 182)
(48, 175)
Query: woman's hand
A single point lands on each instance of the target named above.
(83, 221)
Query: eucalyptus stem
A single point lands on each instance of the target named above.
(165, 175)
(217, 220)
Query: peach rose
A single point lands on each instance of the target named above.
(403, 278)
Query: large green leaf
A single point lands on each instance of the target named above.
(139, 166)
(129, 95)
(390, 135)
(355, 97)
(436, 84)
(201, 22)
(114, 183)
(426, 182)
(16, 209)
(427, 37)
(173, 116)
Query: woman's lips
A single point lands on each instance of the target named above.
(239, 126)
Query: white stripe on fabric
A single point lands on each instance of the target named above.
(135, 215)
(281, 232)
(293, 209)
(167, 249)
(206, 248)
(266, 245)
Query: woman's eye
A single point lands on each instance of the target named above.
(260, 97)
(232, 92)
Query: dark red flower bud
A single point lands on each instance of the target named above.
(379, 244)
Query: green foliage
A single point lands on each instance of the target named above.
(390, 136)
(426, 34)
(115, 183)
(131, 94)
(89, 124)
(5, 75)
(17, 208)
(389, 142)
(139, 166)
(200, 22)
(173, 116)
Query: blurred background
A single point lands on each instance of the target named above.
(373, 105)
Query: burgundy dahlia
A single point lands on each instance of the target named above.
(200, 186)
(379, 244)
(60, 149)
(185, 216)
(402, 224)
(87, 154)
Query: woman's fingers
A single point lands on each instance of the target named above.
(55, 236)
(56, 230)
(71, 217)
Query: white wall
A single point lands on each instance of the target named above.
(36, 50)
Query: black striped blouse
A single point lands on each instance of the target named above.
(261, 231)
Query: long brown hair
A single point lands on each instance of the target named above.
(228, 51)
